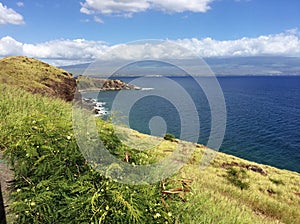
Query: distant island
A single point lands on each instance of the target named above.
(221, 66)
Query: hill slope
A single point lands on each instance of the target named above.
(54, 184)
(37, 77)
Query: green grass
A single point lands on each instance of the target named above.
(54, 183)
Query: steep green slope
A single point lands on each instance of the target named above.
(37, 77)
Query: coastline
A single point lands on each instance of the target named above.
(103, 90)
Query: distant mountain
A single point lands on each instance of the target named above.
(255, 65)
(37, 77)
(263, 65)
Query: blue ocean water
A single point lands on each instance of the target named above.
(263, 115)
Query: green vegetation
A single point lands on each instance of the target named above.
(237, 177)
(37, 77)
(277, 182)
(55, 184)
(169, 137)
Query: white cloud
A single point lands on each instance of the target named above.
(20, 4)
(113, 6)
(65, 51)
(127, 8)
(9, 46)
(9, 16)
(80, 50)
(286, 44)
(98, 19)
(84, 20)
(181, 5)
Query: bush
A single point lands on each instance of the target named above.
(238, 178)
(276, 181)
(169, 137)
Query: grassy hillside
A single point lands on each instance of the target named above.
(54, 184)
(37, 77)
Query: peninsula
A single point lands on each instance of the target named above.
(85, 83)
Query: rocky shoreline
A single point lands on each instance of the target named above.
(117, 84)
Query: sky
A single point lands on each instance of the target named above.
(75, 31)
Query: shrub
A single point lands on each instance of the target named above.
(276, 181)
(169, 137)
(238, 178)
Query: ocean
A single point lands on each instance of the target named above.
(262, 114)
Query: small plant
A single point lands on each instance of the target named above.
(169, 137)
(276, 181)
(238, 178)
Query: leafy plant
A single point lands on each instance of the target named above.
(238, 178)
(169, 137)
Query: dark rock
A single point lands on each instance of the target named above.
(254, 168)
(257, 169)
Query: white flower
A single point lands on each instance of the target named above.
(157, 215)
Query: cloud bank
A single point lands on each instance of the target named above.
(127, 8)
(285, 44)
(62, 52)
(9, 16)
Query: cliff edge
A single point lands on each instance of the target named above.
(37, 77)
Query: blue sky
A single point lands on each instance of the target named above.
(241, 27)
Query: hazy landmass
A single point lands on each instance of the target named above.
(262, 65)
